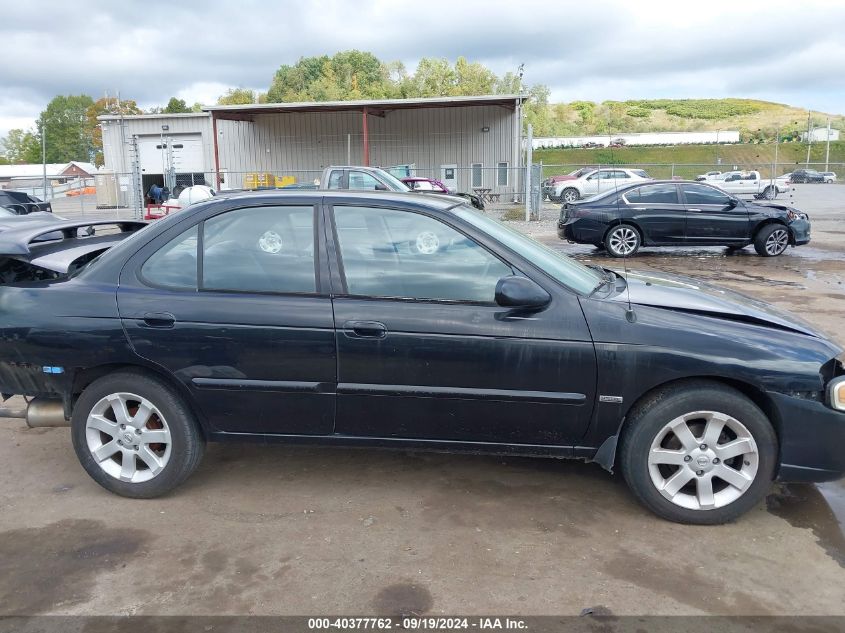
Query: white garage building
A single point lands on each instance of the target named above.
(469, 142)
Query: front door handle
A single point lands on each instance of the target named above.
(159, 319)
(693, 210)
(365, 329)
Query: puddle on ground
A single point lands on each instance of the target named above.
(820, 508)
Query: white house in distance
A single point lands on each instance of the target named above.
(820, 135)
(14, 176)
(641, 138)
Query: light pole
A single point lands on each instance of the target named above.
(44, 159)
(809, 139)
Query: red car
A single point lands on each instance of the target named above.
(425, 184)
(430, 185)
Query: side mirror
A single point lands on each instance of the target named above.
(732, 202)
(381, 187)
(520, 292)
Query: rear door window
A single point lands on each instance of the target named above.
(654, 194)
(260, 249)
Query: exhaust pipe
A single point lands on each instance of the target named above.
(42, 412)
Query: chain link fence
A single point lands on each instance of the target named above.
(127, 195)
(690, 171)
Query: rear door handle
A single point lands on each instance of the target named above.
(365, 329)
(693, 210)
(159, 319)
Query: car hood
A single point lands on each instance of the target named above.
(685, 294)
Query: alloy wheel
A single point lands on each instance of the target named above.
(703, 460)
(128, 437)
(623, 241)
(777, 242)
(570, 195)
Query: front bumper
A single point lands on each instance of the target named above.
(812, 440)
(800, 231)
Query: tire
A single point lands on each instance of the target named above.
(622, 240)
(129, 464)
(771, 240)
(770, 193)
(702, 407)
(570, 194)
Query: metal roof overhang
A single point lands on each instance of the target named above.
(372, 107)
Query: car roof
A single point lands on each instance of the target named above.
(435, 203)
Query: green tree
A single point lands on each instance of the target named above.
(66, 125)
(291, 83)
(237, 96)
(176, 106)
(104, 105)
(434, 77)
(507, 84)
(347, 75)
(473, 78)
(22, 146)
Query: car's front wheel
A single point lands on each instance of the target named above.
(622, 240)
(134, 435)
(700, 453)
(771, 240)
(569, 195)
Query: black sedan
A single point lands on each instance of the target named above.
(22, 203)
(807, 175)
(673, 213)
(413, 322)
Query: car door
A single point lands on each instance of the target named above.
(234, 305)
(658, 211)
(591, 184)
(425, 353)
(713, 217)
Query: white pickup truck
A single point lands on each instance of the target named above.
(741, 183)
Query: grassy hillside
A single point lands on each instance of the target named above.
(691, 160)
(753, 118)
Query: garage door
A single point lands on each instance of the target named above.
(186, 151)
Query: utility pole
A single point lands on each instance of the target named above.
(827, 149)
(809, 139)
(44, 158)
(529, 150)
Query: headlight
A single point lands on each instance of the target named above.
(836, 393)
(836, 387)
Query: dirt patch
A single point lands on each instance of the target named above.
(57, 565)
(685, 584)
(403, 599)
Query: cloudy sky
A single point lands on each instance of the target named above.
(149, 50)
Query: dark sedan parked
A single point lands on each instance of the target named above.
(807, 175)
(673, 213)
(22, 203)
(408, 321)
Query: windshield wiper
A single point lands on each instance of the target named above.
(607, 277)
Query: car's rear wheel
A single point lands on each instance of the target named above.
(134, 435)
(622, 240)
(569, 195)
(770, 193)
(771, 240)
(701, 453)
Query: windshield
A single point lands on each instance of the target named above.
(393, 182)
(566, 270)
